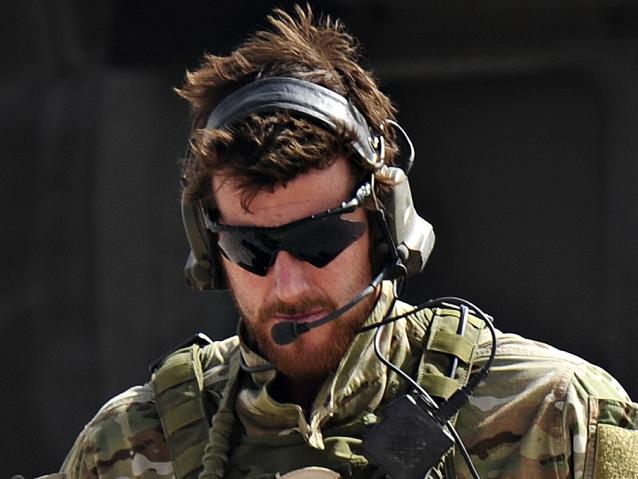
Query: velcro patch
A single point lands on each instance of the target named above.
(616, 452)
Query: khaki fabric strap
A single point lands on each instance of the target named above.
(179, 395)
(449, 348)
(448, 352)
(189, 460)
(173, 374)
(182, 415)
(443, 385)
(451, 343)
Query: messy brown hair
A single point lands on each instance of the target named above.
(264, 150)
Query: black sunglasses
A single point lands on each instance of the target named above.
(317, 239)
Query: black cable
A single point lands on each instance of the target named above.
(451, 406)
(462, 448)
(377, 350)
(483, 372)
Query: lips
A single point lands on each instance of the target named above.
(301, 317)
(302, 309)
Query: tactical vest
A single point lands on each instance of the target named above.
(217, 448)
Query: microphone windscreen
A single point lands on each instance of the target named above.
(284, 333)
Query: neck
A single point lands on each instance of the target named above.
(297, 391)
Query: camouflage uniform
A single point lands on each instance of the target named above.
(541, 413)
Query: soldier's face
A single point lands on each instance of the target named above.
(292, 289)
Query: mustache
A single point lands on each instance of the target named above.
(303, 305)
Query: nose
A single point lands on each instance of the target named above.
(290, 277)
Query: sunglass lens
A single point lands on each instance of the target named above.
(321, 241)
(252, 251)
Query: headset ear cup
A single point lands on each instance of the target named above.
(203, 269)
(413, 236)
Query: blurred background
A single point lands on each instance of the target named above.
(525, 120)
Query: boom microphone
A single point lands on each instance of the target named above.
(285, 332)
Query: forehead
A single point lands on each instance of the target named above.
(310, 193)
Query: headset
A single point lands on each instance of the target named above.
(407, 238)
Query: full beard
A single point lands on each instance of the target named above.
(331, 340)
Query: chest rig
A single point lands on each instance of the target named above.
(206, 441)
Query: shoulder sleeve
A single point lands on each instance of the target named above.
(602, 423)
(124, 439)
(538, 416)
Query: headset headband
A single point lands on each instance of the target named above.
(312, 100)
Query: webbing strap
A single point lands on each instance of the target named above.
(446, 362)
(182, 415)
(189, 460)
(448, 351)
(451, 343)
(443, 385)
(179, 396)
(172, 375)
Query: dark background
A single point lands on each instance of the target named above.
(525, 119)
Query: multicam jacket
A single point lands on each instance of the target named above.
(541, 413)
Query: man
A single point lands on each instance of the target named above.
(296, 200)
